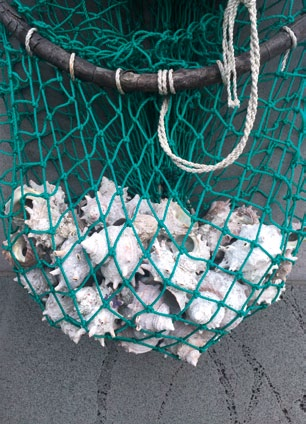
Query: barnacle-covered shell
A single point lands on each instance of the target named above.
(21, 251)
(74, 267)
(220, 215)
(146, 227)
(256, 262)
(216, 215)
(89, 300)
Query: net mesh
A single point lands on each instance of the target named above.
(106, 233)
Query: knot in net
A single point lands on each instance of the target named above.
(112, 223)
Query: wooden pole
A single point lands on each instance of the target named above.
(184, 79)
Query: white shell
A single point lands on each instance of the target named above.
(202, 310)
(194, 261)
(72, 331)
(190, 354)
(163, 264)
(255, 261)
(152, 321)
(48, 213)
(221, 286)
(90, 305)
(56, 305)
(274, 292)
(34, 281)
(137, 348)
(155, 322)
(127, 252)
(74, 267)
(176, 220)
(103, 323)
(14, 205)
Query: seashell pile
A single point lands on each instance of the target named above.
(147, 274)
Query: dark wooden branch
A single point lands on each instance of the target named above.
(130, 81)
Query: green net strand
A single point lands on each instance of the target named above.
(104, 231)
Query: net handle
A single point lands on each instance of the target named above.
(229, 76)
(184, 79)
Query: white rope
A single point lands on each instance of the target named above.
(293, 46)
(222, 71)
(118, 81)
(71, 66)
(28, 39)
(229, 76)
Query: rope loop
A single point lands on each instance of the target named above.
(293, 46)
(165, 82)
(28, 39)
(71, 66)
(229, 77)
(118, 81)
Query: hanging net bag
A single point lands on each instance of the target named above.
(152, 177)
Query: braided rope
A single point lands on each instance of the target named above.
(228, 72)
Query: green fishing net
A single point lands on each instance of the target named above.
(108, 235)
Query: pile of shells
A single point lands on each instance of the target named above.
(147, 274)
